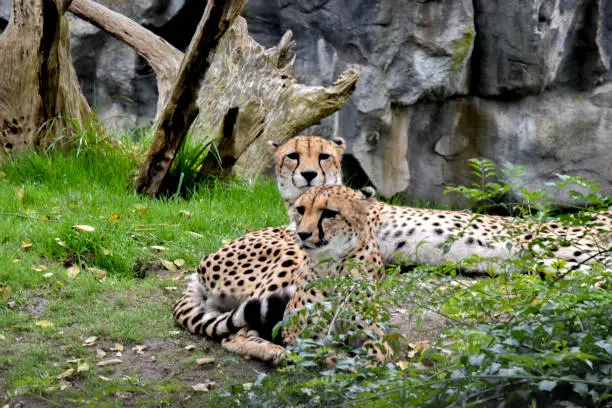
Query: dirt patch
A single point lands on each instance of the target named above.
(417, 328)
(165, 358)
(27, 401)
(35, 306)
(158, 271)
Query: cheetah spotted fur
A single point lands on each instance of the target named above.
(241, 291)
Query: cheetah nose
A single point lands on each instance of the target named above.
(309, 175)
(304, 235)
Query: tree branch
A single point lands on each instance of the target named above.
(181, 108)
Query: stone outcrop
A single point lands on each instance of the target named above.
(441, 81)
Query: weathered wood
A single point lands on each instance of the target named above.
(247, 93)
(40, 97)
(181, 109)
(268, 104)
(161, 55)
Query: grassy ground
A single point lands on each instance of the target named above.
(62, 287)
(89, 272)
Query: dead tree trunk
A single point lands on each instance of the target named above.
(180, 109)
(246, 94)
(40, 97)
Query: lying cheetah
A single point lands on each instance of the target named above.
(241, 291)
(425, 236)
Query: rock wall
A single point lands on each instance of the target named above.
(527, 82)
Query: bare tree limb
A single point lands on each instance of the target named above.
(247, 93)
(161, 55)
(181, 108)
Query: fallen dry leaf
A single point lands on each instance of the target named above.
(203, 387)
(66, 347)
(117, 347)
(140, 348)
(140, 209)
(402, 365)
(20, 192)
(112, 361)
(17, 260)
(186, 214)
(416, 349)
(73, 271)
(189, 347)
(158, 248)
(179, 262)
(44, 323)
(108, 251)
(114, 217)
(170, 288)
(195, 234)
(66, 374)
(205, 360)
(26, 244)
(83, 228)
(98, 274)
(90, 341)
(6, 291)
(64, 385)
(48, 275)
(168, 265)
(100, 353)
(39, 268)
(60, 242)
(2, 337)
(11, 304)
(104, 378)
(82, 365)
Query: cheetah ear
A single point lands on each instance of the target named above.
(340, 143)
(272, 145)
(368, 192)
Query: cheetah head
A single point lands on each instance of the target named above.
(332, 219)
(306, 161)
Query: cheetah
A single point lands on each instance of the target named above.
(241, 291)
(427, 236)
(306, 161)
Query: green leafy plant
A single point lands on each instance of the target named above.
(522, 336)
(184, 173)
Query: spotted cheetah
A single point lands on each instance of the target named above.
(306, 161)
(241, 291)
(426, 236)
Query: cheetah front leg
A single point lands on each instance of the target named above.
(248, 343)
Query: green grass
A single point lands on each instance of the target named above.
(43, 197)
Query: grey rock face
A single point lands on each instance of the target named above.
(558, 132)
(5, 13)
(523, 47)
(405, 50)
(531, 86)
(118, 83)
(527, 82)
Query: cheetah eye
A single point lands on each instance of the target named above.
(327, 213)
(324, 156)
(300, 210)
(293, 156)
